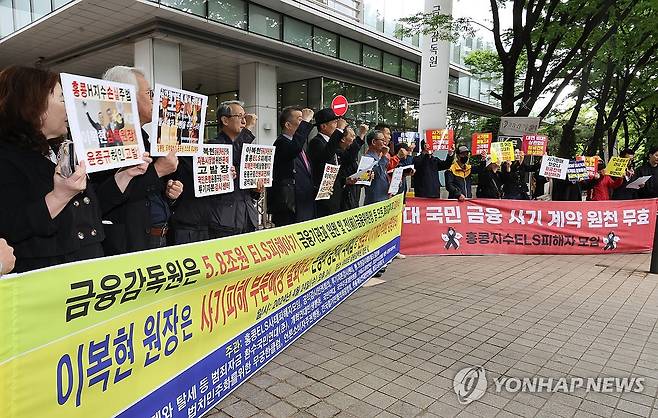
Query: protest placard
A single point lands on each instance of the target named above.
(178, 121)
(591, 163)
(617, 166)
(535, 145)
(439, 139)
(327, 184)
(397, 178)
(518, 126)
(362, 174)
(104, 122)
(502, 151)
(576, 171)
(256, 163)
(212, 170)
(554, 167)
(481, 142)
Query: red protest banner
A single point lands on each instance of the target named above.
(488, 226)
(481, 142)
(439, 139)
(535, 145)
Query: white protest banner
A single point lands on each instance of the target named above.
(554, 167)
(577, 171)
(328, 180)
(178, 121)
(518, 126)
(256, 163)
(396, 180)
(212, 170)
(104, 122)
(362, 174)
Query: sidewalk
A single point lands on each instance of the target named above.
(393, 349)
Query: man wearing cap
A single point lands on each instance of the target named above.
(426, 179)
(458, 176)
(322, 150)
(489, 183)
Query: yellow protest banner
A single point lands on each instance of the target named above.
(617, 166)
(171, 332)
(502, 151)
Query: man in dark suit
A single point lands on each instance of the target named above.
(295, 126)
(322, 150)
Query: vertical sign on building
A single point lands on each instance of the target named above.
(434, 73)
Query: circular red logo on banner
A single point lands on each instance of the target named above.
(339, 105)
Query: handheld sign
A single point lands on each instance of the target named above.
(481, 142)
(212, 170)
(339, 105)
(554, 167)
(502, 151)
(439, 139)
(617, 166)
(256, 163)
(535, 145)
(327, 183)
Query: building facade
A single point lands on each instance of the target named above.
(267, 53)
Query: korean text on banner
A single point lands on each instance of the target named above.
(104, 122)
(554, 167)
(576, 171)
(173, 331)
(591, 164)
(535, 145)
(617, 166)
(212, 170)
(502, 151)
(489, 226)
(327, 183)
(481, 142)
(439, 139)
(256, 163)
(178, 121)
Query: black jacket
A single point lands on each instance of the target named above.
(281, 196)
(513, 182)
(322, 152)
(489, 185)
(650, 188)
(26, 177)
(305, 192)
(564, 190)
(426, 179)
(459, 184)
(349, 164)
(131, 216)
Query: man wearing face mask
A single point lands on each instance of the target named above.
(458, 176)
(489, 184)
(512, 175)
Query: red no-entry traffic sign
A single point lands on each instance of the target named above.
(339, 105)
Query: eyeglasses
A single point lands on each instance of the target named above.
(151, 93)
(237, 116)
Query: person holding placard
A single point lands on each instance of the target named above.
(650, 168)
(512, 174)
(378, 150)
(598, 188)
(50, 215)
(295, 126)
(350, 146)
(322, 149)
(623, 192)
(426, 178)
(235, 212)
(489, 184)
(458, 176)
(141, 220)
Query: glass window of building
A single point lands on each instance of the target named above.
(325, 42)
(455, 55)
(22, 13)
(392, 64)
(193, 7)
(453, 84)
(464, 85)
(230, 12)
(59, 3)
(484, 91)
(264, 22)
(6, 19)
(474, 92)
(40, 8)
(373, 14)
(350, 50)
(409, 70)
(372, 57)
(394, 9)
(298, 33)
(293, 94)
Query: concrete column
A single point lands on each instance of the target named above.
(434, 75)
(160, 60)
(258, 91)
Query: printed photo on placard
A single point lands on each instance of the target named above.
(327, 184)
(212, 170)
(104, 122)
(178, 121)
(256, 162)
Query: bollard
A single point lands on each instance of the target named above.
(654, 252)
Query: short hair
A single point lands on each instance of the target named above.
(627, 151)
(372, 135)
(381, 126)
(400, 146)
(123, 74)
(653, 149)
(286, 115)
(225, 109)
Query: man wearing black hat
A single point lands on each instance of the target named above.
(426, 179)
(322, 150)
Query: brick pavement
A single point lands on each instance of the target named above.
(392, 350)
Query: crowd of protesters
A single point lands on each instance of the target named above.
(50, 215)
